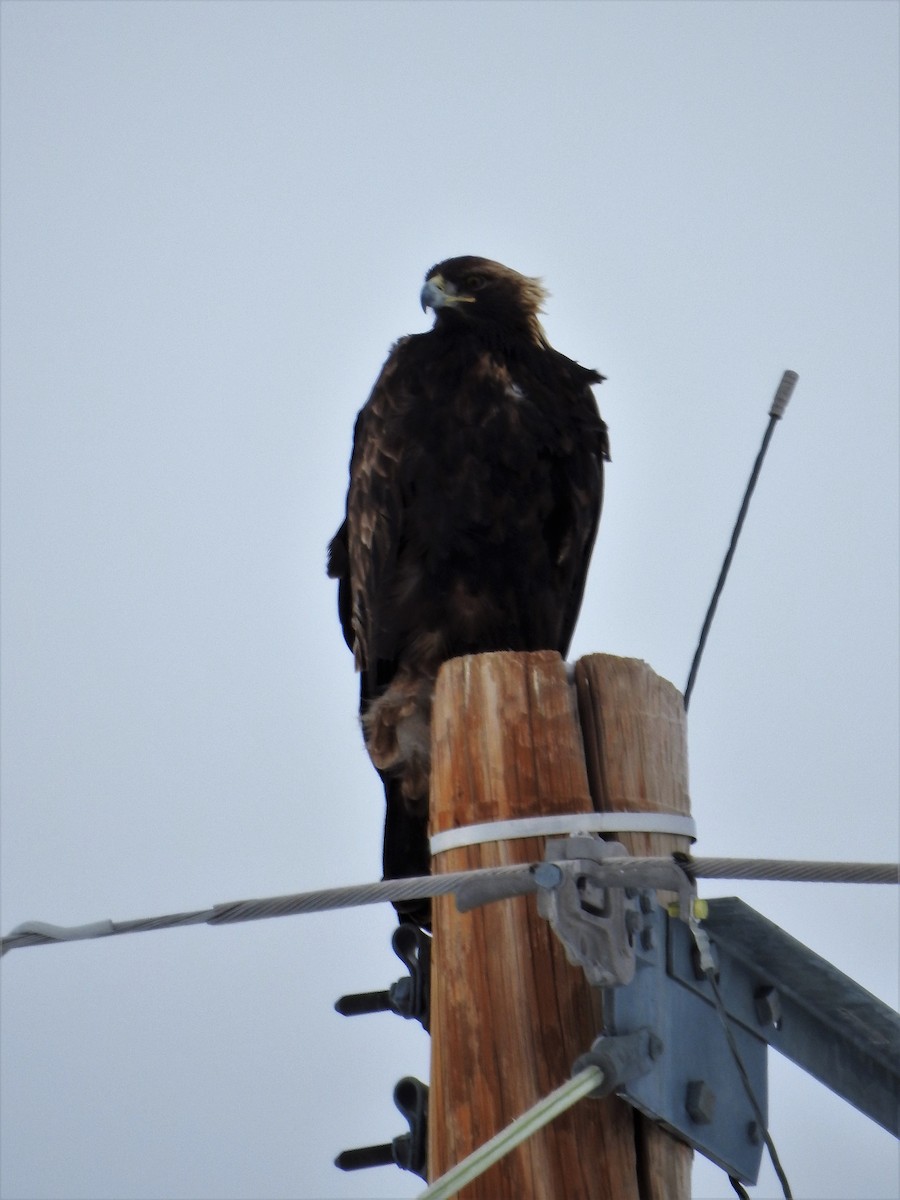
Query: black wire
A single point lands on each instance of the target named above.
(739, 1188)
(723, 574)
(748, 1088)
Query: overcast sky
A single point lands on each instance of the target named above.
(216, 219)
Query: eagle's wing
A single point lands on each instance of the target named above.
(363, 553)
(578, 487)
(363, 556)
(339, 568)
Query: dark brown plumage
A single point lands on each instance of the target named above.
(476, 482)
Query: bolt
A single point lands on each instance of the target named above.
(546, 875)
(754, 1133)
(648, 938)
(768, 1006)
(647, 903)
(700, 1102)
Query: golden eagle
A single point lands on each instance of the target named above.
(476, 482)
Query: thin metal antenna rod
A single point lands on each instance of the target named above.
(776, 412)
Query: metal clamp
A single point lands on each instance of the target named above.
(601, 905)
(621, 1058)
(596, 898)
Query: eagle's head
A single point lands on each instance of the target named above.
(478, 292)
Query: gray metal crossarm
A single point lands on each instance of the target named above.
(811, 1012)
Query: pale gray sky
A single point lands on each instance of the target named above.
(216, 219)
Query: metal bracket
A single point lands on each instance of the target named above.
(665, 1050)
(774, 991)
(694, 1088)
(409, 997)
(409, 1151)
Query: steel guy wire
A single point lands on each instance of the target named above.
(521, 879)
(518, 1131)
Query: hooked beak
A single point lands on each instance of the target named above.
(440, 293)
(433, 294)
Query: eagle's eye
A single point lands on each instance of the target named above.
(474, 282)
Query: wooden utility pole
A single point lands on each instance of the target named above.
(509, 1014)
(635, 742)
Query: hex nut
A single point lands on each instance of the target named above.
(700, 1102)
(768, 1006)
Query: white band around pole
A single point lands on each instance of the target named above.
(608, 822)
